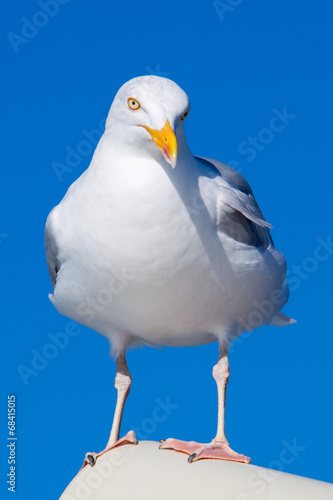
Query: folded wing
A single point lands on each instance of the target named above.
(237, 212)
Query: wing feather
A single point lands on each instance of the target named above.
(238, 213)
(51, 250)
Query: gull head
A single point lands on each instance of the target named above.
(148, 115)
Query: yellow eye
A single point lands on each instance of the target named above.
(133, 103)
(185, 115)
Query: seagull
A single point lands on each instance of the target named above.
(154, 246)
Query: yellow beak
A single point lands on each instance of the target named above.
(166, 141)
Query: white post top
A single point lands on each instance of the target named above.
(144, 472)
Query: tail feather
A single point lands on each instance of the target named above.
(282, 320)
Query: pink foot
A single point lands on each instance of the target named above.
(90, 458)
(219, 450)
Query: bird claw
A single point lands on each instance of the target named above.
(192, 458)
(91, 458)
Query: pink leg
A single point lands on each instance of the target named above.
(219, 448)
(122, 384)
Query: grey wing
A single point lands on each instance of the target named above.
(51, 250)
(238, 213)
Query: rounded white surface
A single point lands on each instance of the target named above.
(145, 472)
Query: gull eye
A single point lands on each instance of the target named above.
(133, 103)
(185, 115)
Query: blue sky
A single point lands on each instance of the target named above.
(242, 63)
